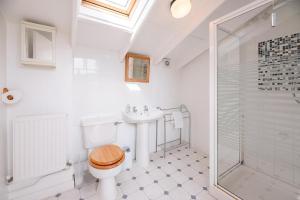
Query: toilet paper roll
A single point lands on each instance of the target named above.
(11, 97)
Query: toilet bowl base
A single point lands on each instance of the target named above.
(106, 189)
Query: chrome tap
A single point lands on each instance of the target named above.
(134, 109)
(146, 109)
(127, 109)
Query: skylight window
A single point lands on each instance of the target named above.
(124, 14)
(123, 7)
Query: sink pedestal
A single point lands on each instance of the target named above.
(142, 144)
(142, 121)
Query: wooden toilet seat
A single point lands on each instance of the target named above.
(106, 157)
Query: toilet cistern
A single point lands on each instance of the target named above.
(105, 157)
(142, 119)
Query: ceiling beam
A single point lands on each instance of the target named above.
(206, 7)
(76, 7)
(138, 26)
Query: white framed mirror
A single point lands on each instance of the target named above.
(38, 44)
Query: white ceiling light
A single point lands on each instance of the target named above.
(180, 8)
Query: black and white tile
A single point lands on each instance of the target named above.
(279, 64)
(182, 175)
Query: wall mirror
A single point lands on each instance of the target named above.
(137, 68)
(38, 44)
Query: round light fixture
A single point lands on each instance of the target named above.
(180, 8)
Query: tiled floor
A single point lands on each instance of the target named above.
(250, 184)
(183, 175)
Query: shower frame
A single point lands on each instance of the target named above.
(216, 189)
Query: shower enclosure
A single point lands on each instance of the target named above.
(255, 90)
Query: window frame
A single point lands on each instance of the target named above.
(100, 5)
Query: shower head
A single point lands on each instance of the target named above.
(273, 19)
(273, 15)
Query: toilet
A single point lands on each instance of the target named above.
(105, 158)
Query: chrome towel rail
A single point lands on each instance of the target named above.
(167, 117)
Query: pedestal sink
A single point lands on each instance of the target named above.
(142, 121)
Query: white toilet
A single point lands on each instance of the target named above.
(105, 159)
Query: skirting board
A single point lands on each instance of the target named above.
(48, 186)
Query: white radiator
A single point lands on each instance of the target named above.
(39, 145)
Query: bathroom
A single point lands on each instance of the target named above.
(237, 136)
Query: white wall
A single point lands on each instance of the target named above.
(58, 90)
(194, 93)
(105, 91)
(2, 106)
(44, 90)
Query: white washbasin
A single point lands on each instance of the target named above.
(142, 119)
(142, 116)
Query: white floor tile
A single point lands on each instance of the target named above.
(153, 191)
(88, 178)
(201, 180)
(201, 165)
(165, 197)
(144, 180)
(88, 190)
(198, 154)
(179, 177)
(136, 170)
(192, 188)
(167, 184)
(69, 195)
(129, 187)
(94, 197)
(157, 174)
(180, 155)
(169, 169)
(160, 162)
(189, 160)
(51, 198)
(179, 164)
(156, 155)
(139, 195)
(151, 166)
(179, 194)
(170, 158)
(124, 176)
(205, 196)
(190, 172)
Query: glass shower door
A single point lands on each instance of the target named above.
(258, 102)
(228, 97)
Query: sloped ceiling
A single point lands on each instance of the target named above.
(101, 36)
(160, 32)
(198, 40)
(159, 35)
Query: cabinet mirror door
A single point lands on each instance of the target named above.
(137, 68)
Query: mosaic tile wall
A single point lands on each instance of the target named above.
(279, 64)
